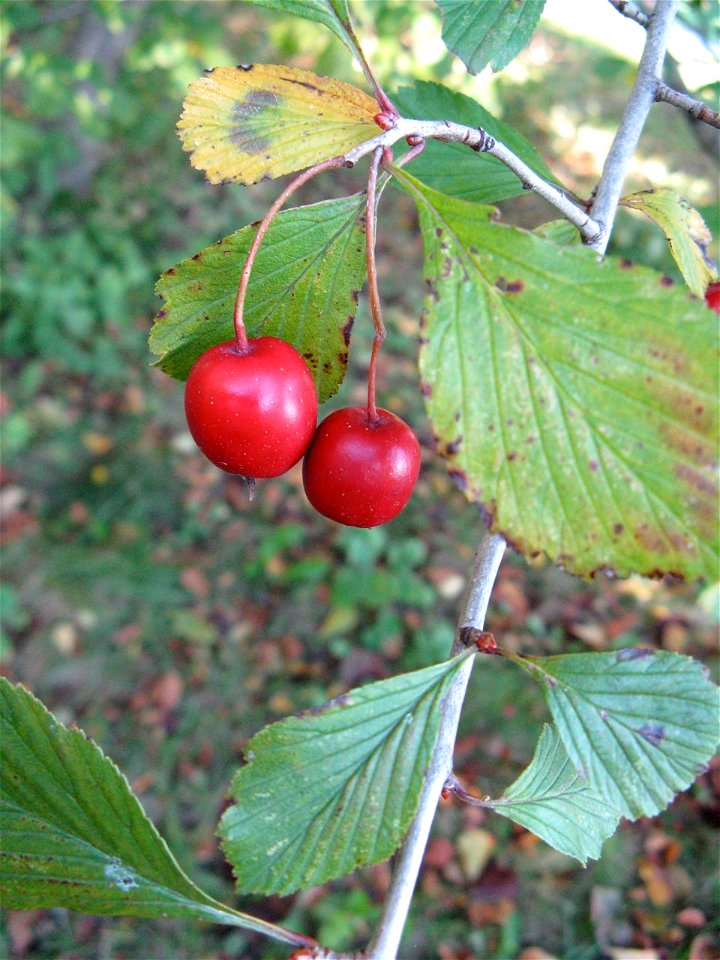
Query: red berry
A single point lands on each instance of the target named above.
(358, 472)
(252, 413)
(712, 296)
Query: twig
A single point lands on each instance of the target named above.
(480, 141)
(696, 108)
(630, 10)
(385, 943)
(631, 126)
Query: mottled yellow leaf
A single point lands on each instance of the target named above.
(257, 122)
(685, 230)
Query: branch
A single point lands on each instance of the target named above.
(628, 9)
(481, 142)
(385, 943)
(631, 126)
(696, 108)
(678, 98)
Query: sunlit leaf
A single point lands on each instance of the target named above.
(256, 122)
(685, 230)
(336, 788)
(576, 400)
(333, 14)
(451, 167)
(304, 289)
(75, 836)
(483, 32)
(640, 725)
(558, 804)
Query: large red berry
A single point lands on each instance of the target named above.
(712, 296)
(252, 412)
(358, 472)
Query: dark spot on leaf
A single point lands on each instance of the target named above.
(654, 733)
(423, 341)
(196, 257)
(491, 427)
(531, 439)
(355, 295)
(634, 653)
(347, 330)
(171, 272)
(327, 366)
(438, 231)
(667, 282)
(512, 455)
(457, 416)
(161, 313)
(551, 680)
(594, 466)
(459, 478)
(626, 264)
(618, 528)
(426, 389)
(515, 286)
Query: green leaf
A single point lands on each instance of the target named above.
(451, 167)
(561, 232)
(557, 804)
(75, 836)
(257, 121)
(304, 289)
(336, 788)
(641, 725)
(685, 231)
(576, 400)
(483, 32)
(333, 14)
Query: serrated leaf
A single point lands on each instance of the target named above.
(557, 804)
(483, 32)
(256, 122)
(641, 725)
(450, 167)
(576, 400)
(329, 791)
(304, 288)
(75, 836)
(333, 14)
(685, 231)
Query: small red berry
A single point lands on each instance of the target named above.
(712, 296)
(252, 412)
(359, 472)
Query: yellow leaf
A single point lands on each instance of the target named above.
(257, 122)
(685, 230)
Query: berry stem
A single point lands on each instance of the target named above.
(238, 319)
(370, 230)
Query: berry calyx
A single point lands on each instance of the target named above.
(359, 471)
(712, 296)
(253, 411)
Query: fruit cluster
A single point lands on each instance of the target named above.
(252, 411)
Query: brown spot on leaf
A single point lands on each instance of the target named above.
(438, 231)
(633, 653)
(594, 466)
(347, 330)
(459, 478)
(618, 528)
(626, 264)
(654, 733)
(426, 389)
(667, 282)
(512, 455)
(515, 286)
